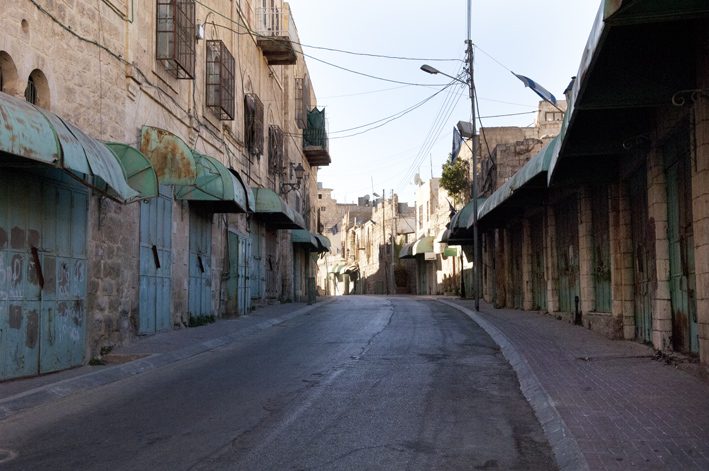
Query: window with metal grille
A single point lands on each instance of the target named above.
(253, 124)
(31, 91)
(302, 102)
(176, 37)
(220, 80)
(275, 149)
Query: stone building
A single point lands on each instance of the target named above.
(159, 167)
(606, 225)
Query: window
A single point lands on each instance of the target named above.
(220, 80)
(302, 101)
(323, 208)
(319, 196)
(553, 116)
(37, 89)
(253, 124)
(31, 91)
(275, 149)
(176, 37)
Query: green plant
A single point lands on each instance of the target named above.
(455, 179)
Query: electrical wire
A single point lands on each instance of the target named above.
(396, 115)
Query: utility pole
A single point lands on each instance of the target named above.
(384, 237)
(393, 244)
(471, 84)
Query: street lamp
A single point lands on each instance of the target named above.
(299, 171)
(471, 86)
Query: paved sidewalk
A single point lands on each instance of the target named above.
(604, 404)
(144, 354)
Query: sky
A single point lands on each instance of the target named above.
(384, 132)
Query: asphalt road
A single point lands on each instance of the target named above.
(360, 383)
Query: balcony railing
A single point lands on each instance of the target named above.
(315, 140)
(274, 35)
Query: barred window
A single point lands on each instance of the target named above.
(176, 37)
(220, 80)
(31, 91)
(275, 149)
(302, 101)
(253, 124)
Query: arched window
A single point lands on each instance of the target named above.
(8, 74)
(37, 89)
(31, 91)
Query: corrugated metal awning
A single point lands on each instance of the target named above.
(139, 173)
(274, 212)
(323, 242)
(422, 246)
(171, 158)
(30, 132)
(215, 188)
(304, 237)
(407, 250)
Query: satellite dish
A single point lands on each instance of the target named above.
(417, 180)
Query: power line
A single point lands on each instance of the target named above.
(371, 76)
(398, 114)
(382, 56)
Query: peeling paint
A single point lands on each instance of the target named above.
(32, 333)
(17, 238)
(15, 317)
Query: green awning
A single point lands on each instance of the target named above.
(640, 57)
(30, 132)
(323, 242)
(274, 212)
(536, 166)
(337, 266)
(407, 250)
(215, 187)
(171, 158)
(460, 228)
(139, 173)
(304, 237)
(422, 246)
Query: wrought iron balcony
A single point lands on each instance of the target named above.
(315, 140)
(275, 33)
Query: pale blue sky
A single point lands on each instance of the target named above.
(541, 39)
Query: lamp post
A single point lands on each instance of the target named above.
(471, 86)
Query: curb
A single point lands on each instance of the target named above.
(23, 401)
(566, 451)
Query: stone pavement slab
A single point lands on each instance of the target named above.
(621, 407)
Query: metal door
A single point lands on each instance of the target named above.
(539, 288)
(567, 237)
(516, 275)
(256, 279)
(42, 272)
(200, 272)
(600, 231)
(643, 255)
(238, 291)
(154, 310)
(272, 278)
(680, 234)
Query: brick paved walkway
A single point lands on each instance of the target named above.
(624, 409)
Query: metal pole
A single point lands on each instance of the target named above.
(471, 84)
(392, 238)
(384, 236)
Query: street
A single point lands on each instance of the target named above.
(358, 383)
